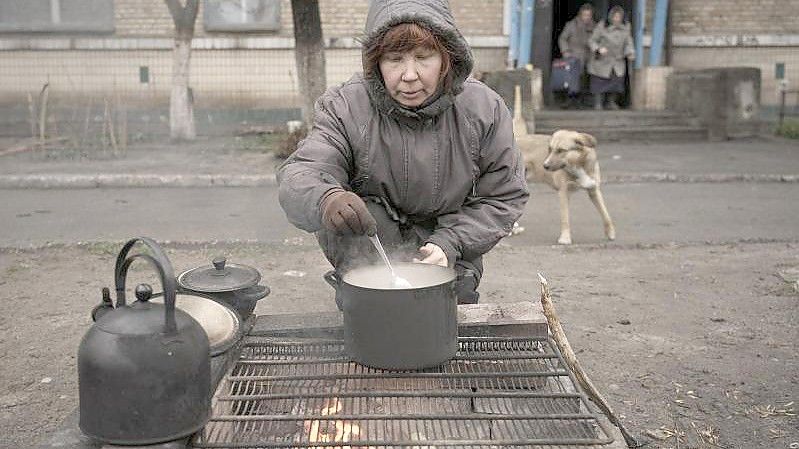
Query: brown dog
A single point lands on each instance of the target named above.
(566, 161)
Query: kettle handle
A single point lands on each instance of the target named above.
(161, 263)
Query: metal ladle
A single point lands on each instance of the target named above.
(396, 281)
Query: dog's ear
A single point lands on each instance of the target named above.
(586, 140)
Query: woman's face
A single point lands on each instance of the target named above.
(411, 77)
(617, 18)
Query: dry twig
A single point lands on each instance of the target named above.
(571, 360)
(769, 410)
(32, 115)
(44, 95)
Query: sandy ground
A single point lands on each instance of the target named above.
(694, 345)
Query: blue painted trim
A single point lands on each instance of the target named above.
(526, 35)
(640, 22)
(513, 47)
(658, 31)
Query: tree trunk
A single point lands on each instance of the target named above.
(181, 100)
(309, 54)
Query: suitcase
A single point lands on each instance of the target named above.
(566, 75)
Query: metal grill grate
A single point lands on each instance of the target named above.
(303, 393)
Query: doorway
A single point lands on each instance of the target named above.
(565, 10)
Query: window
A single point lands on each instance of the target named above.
(242, 15)
(96, 16)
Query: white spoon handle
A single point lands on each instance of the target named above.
(396, 280)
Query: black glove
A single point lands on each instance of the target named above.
(345, 213)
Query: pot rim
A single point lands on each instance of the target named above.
(450, 273)
(233, 331)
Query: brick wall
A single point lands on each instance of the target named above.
(717, 25)
(245, 76)
(258, 74)
(759, 57)
(703, 17)
(696, 17)
(142, 18)
(150, 18)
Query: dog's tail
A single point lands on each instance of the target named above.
(519, 125)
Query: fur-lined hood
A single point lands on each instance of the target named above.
(434, 15)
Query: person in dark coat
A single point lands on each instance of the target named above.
(573, 43)
(611, 46)
(414, 150)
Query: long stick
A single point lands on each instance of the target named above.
(571, 360)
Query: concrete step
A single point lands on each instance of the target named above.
(639, 133)
(597, 119)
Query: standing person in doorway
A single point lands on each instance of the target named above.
(573, 43)
(611, 46)
(414, 150)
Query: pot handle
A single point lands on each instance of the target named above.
(332, 278)
(254, 293)
(161, 263)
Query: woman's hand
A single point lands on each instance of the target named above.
(433, 255)
(345, 213)
(603, 50)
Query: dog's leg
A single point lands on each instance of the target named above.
(599, 202)
(565, 230)
(583, 180)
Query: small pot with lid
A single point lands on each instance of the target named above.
(235, 285)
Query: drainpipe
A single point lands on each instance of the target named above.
(658, 32)
(526, 34)
(640, 21)
(513, 47)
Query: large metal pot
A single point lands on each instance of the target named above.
(394, 328)
(144, 370)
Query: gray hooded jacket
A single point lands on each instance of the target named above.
(618, 41)
(452, 161)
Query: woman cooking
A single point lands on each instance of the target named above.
(414, 150)
(610, 44)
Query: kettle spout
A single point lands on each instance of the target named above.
(106, 305)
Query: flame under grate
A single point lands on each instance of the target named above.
(305, 393)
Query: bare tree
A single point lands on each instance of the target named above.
(181, 101)
(309, 54)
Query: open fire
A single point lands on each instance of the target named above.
(333, 430)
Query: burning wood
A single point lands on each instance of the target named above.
(333, 430)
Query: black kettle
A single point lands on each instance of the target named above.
(144, 369)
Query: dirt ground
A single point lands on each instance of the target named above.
(694, 345)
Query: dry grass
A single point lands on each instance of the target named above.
(289, 144)
(768, 411)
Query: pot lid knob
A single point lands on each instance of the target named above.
(144, 292)
(219, 263)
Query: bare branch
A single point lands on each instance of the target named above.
(559, 336)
